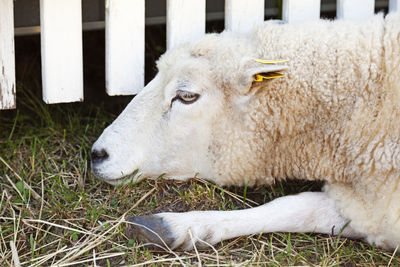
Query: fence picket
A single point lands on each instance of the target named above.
(242, 15)
(355, 9)
(186, 21)
(394, 5)
(61, 41)
(295, 11)
(7, 59)
(124, 46)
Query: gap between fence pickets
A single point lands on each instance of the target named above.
(7, 58)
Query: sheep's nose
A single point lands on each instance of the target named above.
(99, 156)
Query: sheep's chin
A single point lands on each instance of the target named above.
(134, 178)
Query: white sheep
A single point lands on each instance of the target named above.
(335, 117)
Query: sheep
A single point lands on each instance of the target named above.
(335, 117)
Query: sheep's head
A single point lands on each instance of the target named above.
(175, 125)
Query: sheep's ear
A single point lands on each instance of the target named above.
(258, 70)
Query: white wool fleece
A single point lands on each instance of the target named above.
(335, 117)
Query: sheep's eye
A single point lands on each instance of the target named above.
(185, 97)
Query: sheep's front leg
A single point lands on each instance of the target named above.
(305, 212)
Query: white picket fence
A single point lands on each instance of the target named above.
(61, 38)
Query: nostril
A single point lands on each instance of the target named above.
(99, 155)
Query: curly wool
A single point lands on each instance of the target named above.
(335, 117)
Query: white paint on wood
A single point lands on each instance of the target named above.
(61, 40)
(394, 5)
(186, 21)
(7, 59)
(295, 11)
(243, 15)
(124, 46)
(356, 10)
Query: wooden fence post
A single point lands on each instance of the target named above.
(295, 11)
(242, 15)
(7, 58)
(394, 5)
(355, 9)
(61, 41)
(124, 46)
(186, 21)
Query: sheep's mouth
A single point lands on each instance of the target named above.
(134, 177)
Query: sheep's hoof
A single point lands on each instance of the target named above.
(150, 229)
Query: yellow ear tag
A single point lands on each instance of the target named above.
(268, 76)
(269, 61)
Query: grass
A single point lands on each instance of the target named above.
(53, 211)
